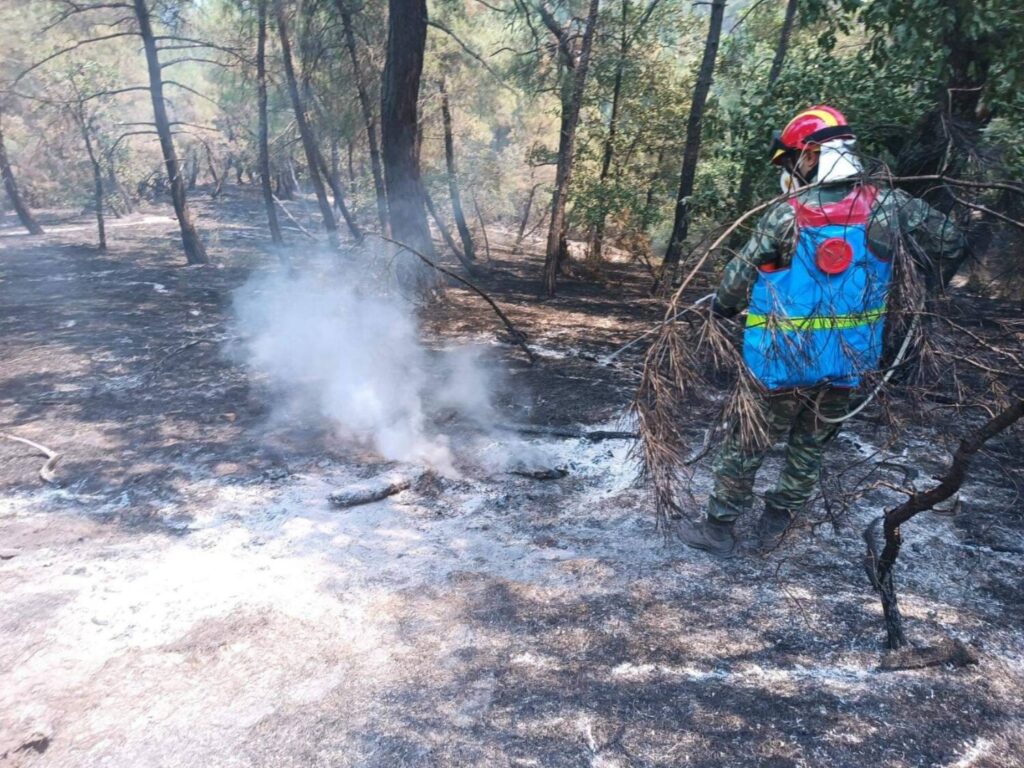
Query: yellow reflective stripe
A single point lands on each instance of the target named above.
(826, 323)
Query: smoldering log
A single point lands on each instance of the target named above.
(374, 489)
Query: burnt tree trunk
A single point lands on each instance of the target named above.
(368, 117)
(597, 232)
(743, 196)
(11, 187)
(195, 253)
(691, 151)
(264, 129)
(309, 147)
(879, 566)
(407, 37)
(468, 249)
(97, 178)
(572, 96)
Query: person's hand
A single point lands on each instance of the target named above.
(720, 310)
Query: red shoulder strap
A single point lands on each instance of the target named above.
(853, 209)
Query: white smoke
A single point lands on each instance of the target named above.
(351, 354)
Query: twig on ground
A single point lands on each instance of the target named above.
(46, 472)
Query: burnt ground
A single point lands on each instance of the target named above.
(187, 596)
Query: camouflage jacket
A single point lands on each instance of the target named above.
(935, 240)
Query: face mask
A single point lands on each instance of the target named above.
(788, 182)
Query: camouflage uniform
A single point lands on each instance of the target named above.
(792, 414)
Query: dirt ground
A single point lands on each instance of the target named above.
(188, 597)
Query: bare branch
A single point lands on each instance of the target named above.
(25, 72)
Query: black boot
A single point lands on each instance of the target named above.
(709, 535)
(772, 527)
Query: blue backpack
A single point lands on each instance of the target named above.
(820, 320)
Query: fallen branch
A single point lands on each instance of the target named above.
(369, 491)
(570, 433)
(46, 472)
(518, 337)
(879, 564)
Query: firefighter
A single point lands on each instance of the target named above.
(814, 279)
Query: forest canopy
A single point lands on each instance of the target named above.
(569, 118)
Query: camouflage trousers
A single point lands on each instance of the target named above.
(791, 416)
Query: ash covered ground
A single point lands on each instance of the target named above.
(188, 596)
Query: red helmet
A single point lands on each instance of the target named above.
(811, 126)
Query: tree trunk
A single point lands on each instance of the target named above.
(195, 253)
(368, 118)
(97, 178)
(572, 97)
(193, 169)
(947, 137)
(339, 197)
(407, 36)
(11, 187)
(525, 220)
(597, 234)
(453, 180)
(264, 130)
(483, 227)
(445, 234)
(305, 131)
(691, 151)
(743, 197)
(351, 170)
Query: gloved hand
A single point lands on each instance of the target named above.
(720, 310)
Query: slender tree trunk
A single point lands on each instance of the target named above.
(339, 197)
(11, 187)
(368, 117)
(743, 197)
(691, 152)
(652, 185)
(783, 45)
(195, 253)
(572, 97)
(351, 170)
(97, 178)
(264, 130)
(193, 169)
(407, 36)
(483, 227)
(525, 219)
(305, 131)
(445, 234)
(468, 247)
(597, 234)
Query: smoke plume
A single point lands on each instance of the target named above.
(351, 353)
